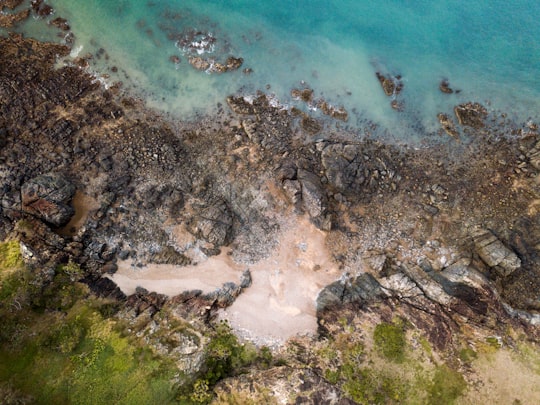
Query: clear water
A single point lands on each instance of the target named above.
(488, 50)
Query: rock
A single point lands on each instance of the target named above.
(245, 279)
(240, 105)
(471, 115)
(250, 128)
(310, 125)
(41, 9)
(47, 197)
(391, 85)
(233, 63)
(361, 289)
(199, 63)
(494, 253)
(213, 224)
(444, 87)
(61, 23)
(305, 95)
(175, 59)
(344, 168)
(448, 125)
(293, 190)
(337, 113)
(313, 197)
(10, 20)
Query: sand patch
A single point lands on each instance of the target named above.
(281, 300)
(83, 204)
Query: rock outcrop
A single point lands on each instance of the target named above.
(494, 253)
(48, 197)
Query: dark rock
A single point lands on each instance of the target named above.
(344, 168)
(471, 115)
(392, 85)
(305, 95)
(240, 105)
(104, 287)
(362, 289)
(47, 197)
(444, 86)
(313, 196)
(245, 279)
(334, 112)
(61, 23)
(213, 224)
(310, 125)
(10, 20)
(233, 63)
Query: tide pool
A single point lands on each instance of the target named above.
(487, 50)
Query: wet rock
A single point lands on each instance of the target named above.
(310, 125)
(392, 85)
(199, 63)
(61, 23)
(494, 253)
(9, 20)
(444, 86)
(448, 125)
(339, 113)
(305, 95)
(11, 4)
(233, 63)
(471, 115)
(47, 197)
(41, 8)
(175, 59)
(240, 105)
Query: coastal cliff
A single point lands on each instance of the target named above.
(435, 254)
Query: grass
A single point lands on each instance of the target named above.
(390, 341)
(446, 386)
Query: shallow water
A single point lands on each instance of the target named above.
(488, 50)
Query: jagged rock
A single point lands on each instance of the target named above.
(293, 190)
(358, 290)
(199, 63)
(344, 168)
(240, 105)
(233, 63)
(471, 115)
(313, 197)
(250, 128)
(47, 197)
(533, 154)
(104, 287)
(448, 125)
(8, 20)
(61, 23)
(494, 253)
(334, 112)
(391, 85)
(305, 95)
(39, 243)
(213, 224)
(429, 287)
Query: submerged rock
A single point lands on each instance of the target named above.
(471, 115)
(448, 125)
(392, 85)
(444, 87)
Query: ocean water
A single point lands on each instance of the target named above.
(488, 50)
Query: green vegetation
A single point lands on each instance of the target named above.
(447, 385)
(224, 357)
(390, 341)
(10, 255)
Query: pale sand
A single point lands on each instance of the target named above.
(281, 301)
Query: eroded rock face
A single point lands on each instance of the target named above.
(48, 197)
(471, 115)
(494, 253)
(344, 167)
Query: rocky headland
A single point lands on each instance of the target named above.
(442, 240)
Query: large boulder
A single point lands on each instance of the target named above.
(213, 224)
(48, 198)
(494, 253)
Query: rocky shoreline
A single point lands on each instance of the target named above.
(445, 237)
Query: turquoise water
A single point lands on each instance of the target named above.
(488, 50)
